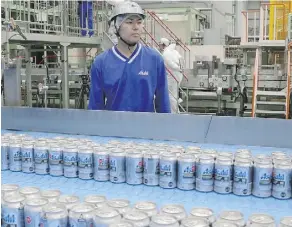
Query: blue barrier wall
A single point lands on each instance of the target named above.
(188, 128)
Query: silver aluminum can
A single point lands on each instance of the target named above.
(4, 155)
(161, 220)
(105, 217)
(32, 211)
(243, 175)
(233, 217)
(186, 172)
(205, 173)
(85, 163)
(122, 224)
(138, 218)
(54, 215)
(282, 178)
(223, 175)
(12, 211)
(174, 210)
(261, 220)
(55, 160)
(81, 215)
(8, 189)
(168, 168)
(101, 165)
(117, 159)
(41, 158)
(286, 222)
(70, 161)
(204, 213)
(97, 201)
(223, 224)
(69, 201)
(134, 168)
(149, 208)
(27, 155)
(262, 178)
(51, 195)
(30, 192)
(194, 222)
(15, 157)
(151, 168)
(121, 205)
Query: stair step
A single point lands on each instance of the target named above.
(271, 103)
(275, 112)
(271, 93)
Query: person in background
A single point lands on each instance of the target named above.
(85, 12)
(129, 76)
(172, 59)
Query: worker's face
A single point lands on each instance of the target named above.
(162, 47)
(131, 29)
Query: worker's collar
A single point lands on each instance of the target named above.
(122, 57)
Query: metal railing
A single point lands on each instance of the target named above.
(170, 73)
(255, 83)
(288, 94)
(57, 17)
(186, 51)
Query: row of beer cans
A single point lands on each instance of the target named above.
(32, 207)
(186, 168)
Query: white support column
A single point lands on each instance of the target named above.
(28, 76)
(65, 72)
(262, 13)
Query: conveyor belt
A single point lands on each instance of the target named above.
(217, 202)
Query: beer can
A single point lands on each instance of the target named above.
(55, 160)
(194, 222)
(168, 167)
(4, 155)
(186, 172)
(205, 173)
(41, 158)
(27, 157)
(54, 214)
(121, 205)
(204, 213)
(117, 159)
(30, 192)
(211, 152)
(286, 222)
(85, 163)
(223, 175)
(262, 178)
(151, 168)
(174, 210)
(8, 189)
(256, 220)
(32, 211)
(122, 224)
(282, 178)
(234, 217)
(149, 208)
(70, 161)
(243, 175)
(95, 200)
(15, 157)
(12, 211)
(161, 220)
(106, 216)
(101, 164)
(226, 154)
(51, 195)
(224, 224)
(138, 218)
(69, 201)
(81, 215)
(134, 168)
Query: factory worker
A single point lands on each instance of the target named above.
(163, 44)
(172, 60)
(85, 16)
(129, 76)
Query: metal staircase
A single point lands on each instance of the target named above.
(271, 103)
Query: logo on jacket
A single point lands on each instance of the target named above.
(143, 73)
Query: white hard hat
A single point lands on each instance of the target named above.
(164, 41)
(127, 8)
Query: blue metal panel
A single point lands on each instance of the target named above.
(250, 131)
(107, 123)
